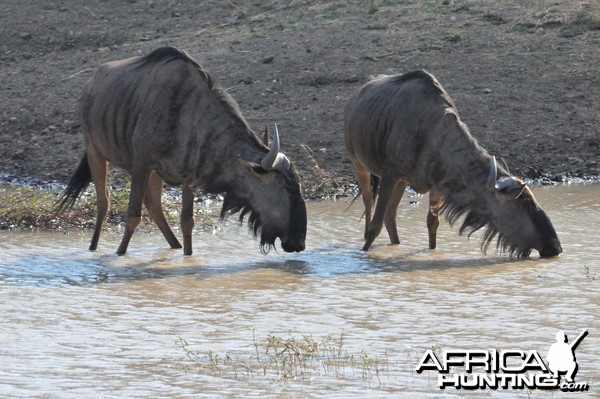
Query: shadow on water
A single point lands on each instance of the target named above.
(323, 262)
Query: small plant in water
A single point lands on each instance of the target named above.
(291, 358)
(588, 274)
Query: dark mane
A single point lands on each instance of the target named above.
(413, 75)
(164, 55)
(233, 203)
(474, 220)
(428, 81)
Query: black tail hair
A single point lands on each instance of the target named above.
(374, 190)
(77, 185)
(375, 186)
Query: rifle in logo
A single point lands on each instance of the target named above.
(561, 356)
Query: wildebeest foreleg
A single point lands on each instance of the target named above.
(154, 206)
(187, 217)
(99, 169)
(390, 213)
(386, 189)
(139, 184)
(433, 220)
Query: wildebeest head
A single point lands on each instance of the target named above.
(270, 195)
(518, 219)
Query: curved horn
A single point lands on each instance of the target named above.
(268, 161)
(493, 176)
(274, 159)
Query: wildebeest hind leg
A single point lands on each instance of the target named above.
(364, 182)
(99, 169)
(154, 206)
(139, 184)
(187, 217)
(433, 219)
(390, 213)
(385, 192)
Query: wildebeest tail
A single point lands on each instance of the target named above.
(77, 185)
(374, 190)
(374, 186)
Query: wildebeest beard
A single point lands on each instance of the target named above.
(232, 203)
(475, 220)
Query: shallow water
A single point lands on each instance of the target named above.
(75, 323)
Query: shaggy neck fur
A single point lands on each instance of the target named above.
(465, 193)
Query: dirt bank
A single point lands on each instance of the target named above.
(524, 76)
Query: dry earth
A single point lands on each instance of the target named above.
(525, 75)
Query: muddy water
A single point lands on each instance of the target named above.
(78, 324)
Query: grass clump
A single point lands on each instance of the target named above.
(290, 358)
(494, 18)
(25, 207)
(588, 274)
(333, 11)
(315, 180)
(373, 9)
(584, 19)
(568, 21)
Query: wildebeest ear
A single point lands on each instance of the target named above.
(255, 168)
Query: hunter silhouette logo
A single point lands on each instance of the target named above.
(507, 369)
(561, 356)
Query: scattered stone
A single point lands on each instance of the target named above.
(268, 60)
(487, 91)
(257, 18)
(576, 160)
(568, 33)
(25, 35)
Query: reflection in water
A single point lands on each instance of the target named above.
(76, 324)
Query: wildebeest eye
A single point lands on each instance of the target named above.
(259, 169)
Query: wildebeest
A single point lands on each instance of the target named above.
(405, 129)
(162, 118)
